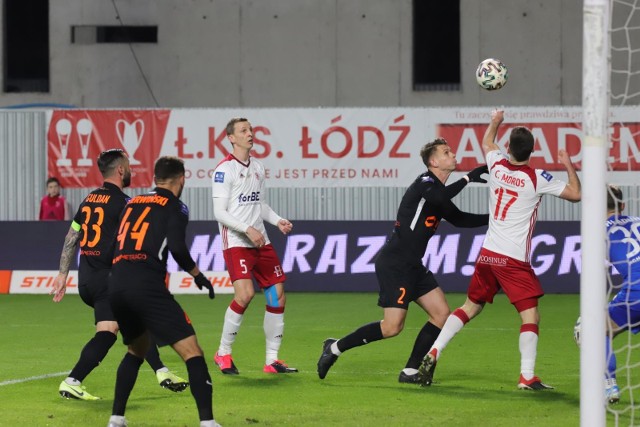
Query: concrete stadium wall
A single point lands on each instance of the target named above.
(304, 53)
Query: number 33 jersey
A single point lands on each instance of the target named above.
(97, 221)
(515, 192)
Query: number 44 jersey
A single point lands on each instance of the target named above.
(151, 226)
(97, 220)
(515, 192)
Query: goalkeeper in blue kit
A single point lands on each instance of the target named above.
(623, 236)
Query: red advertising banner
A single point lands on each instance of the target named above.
(466, 142)
(76, 138)
(325, 147)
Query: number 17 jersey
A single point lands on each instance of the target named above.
(515, 192)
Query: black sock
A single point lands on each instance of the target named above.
(153, 356)
(201, 386)
(92, 354)
(425, 339)
(361, 336)
(125, 380)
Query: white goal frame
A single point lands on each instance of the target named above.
(595, 105)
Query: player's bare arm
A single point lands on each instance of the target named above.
(68, 249)
(573, 191)
(488, 142)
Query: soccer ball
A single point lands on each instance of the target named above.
(492, 74)
(577, 328)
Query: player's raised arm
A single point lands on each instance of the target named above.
(573, 191)
(488, 142)
(464, 219)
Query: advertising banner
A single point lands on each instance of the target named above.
(318, 256)
(39, 281)
(323, 147)
(75, 138)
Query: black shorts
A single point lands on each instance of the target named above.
(153, 310)
(401, 282)
(93, 288)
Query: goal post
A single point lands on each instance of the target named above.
(593, 280)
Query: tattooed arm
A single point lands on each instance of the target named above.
(68, 250)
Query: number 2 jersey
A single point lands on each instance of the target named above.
(151, 225)
(97, 221)
(515, 192)
(423, 205)
(623, 238)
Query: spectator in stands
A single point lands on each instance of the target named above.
(53, 206)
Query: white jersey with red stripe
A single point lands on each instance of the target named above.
(243, 185)
(515, 192)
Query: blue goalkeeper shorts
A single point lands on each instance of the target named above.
(624, 310)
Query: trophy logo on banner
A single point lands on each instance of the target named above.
(84, 127)
(63, 130)
(130, 135)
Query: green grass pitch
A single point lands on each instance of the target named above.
(475, 383)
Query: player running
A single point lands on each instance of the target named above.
(95, 226)
(515, 192)
(402, 276)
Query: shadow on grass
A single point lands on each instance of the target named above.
(500, 393)
(269, 380)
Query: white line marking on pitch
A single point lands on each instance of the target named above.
(38, 377)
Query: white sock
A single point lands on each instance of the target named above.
(163, 369)
(209, 423)
(334, 349)
(410, 371)
(72, 381)
(232, 322)
(118, 420)
(528, 349)
(451, 327)
(273, 331)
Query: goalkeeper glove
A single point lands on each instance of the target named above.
(203, 282)
(474, 175)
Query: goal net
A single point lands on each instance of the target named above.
(611, 78)
(624, 39)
